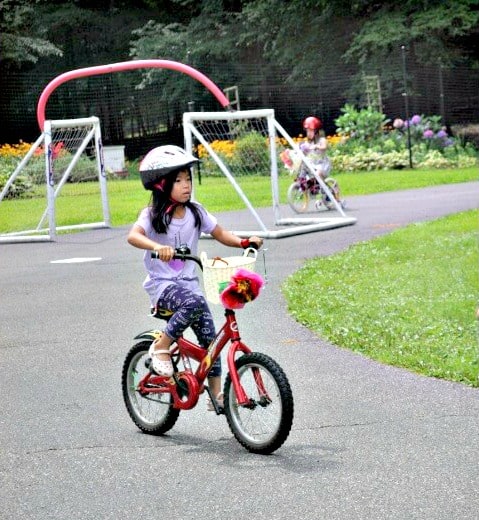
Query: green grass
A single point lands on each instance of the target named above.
(127, 197)
(393, 180)
(406, 299)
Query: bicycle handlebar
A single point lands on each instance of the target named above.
(183, 253)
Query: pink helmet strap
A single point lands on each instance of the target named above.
(160, 185)
(174, 203)
(172, 206)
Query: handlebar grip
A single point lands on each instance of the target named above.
(246, 243)
(179, 255)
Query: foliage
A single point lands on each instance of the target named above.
(21, 187)
(252, 152)
(21, 42)
(426, 327)
(248, 154)
(365, 124)
(34, 173)
(14, 150)
(426, 28)
(368, 142)
(203, 35)
(368, 160)
(273, 33)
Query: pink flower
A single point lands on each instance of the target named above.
(428, 134)
(398, 123)
(415, 120)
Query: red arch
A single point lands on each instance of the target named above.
(122, 66)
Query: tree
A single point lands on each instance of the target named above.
(20, 43)
(436, 31)
(204, 36)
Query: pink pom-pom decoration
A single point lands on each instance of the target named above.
(244, 287)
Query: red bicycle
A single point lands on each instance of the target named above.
(258, 401)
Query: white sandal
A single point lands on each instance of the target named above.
(162, 367)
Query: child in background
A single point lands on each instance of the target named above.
(315, 146)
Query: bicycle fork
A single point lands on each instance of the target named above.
(238, 346)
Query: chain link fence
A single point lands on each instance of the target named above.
(140, 118)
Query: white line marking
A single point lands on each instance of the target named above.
(75, 260)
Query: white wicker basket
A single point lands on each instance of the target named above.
(218, 271)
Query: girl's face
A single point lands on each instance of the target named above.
(181, 190)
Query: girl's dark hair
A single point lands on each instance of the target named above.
(161, 202)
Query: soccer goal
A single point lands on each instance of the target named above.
(62, 173)
(245, 143)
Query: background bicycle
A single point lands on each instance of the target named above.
(309, 190)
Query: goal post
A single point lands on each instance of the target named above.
(244, 143)
(63, 169)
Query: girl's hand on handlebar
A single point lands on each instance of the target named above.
(164, 253)
(254, 242)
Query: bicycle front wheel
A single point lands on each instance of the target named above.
(152, 412)
(264, 423)
(334, 189)
(298, 199)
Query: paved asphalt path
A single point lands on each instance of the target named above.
(368, 441)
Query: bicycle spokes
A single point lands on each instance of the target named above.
(264, 421)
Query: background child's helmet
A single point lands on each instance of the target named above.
(312, 123)
(161, 161)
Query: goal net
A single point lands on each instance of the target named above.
(247, 143)
(59, 185)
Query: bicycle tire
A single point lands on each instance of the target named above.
(264, 425)
(334, 189)
(298, 199)
(152, 413)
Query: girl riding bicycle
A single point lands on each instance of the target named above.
(173, 220)
(315, 147)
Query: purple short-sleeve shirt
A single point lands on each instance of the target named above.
(181, 231)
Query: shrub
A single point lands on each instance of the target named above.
(20, 188)
(370, 143)
(369, 160)
(364, 125)
(251, 153)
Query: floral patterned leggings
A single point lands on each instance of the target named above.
(190, 310)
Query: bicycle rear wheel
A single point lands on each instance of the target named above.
(264, 423)
(298, 199)
(153, 412)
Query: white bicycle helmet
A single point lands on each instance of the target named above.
(163, 160)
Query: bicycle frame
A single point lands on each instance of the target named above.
(308, 183)
(194, 381)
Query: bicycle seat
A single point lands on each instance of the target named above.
(160, 313)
